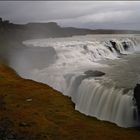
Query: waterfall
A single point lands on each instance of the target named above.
(105, 102)
(89, 48)
(94, 96)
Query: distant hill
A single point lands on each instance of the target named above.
(51, 29)
(39, 30)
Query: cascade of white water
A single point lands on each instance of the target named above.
(95, 97)
(106, 103)
(98, 52)
(123, 46)
(94, 49)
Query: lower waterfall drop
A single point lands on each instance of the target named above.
(107, 103)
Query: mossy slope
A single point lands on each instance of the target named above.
(34, 111)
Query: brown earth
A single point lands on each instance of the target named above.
(34, 111)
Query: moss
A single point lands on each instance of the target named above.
(49, 115)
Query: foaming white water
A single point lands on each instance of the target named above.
(93, 47)
(101, 97)
(106, 102)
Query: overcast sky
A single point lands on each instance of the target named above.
(87, 14)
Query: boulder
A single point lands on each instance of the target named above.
(94, 73)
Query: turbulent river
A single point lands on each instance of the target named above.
(73, 66)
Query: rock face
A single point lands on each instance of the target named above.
(137, 96)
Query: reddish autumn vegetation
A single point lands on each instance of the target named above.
(34, 111)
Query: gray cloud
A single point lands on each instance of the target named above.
(87, 14)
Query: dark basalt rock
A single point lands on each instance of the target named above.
(137, 96)
(94, 73)
(114, 45)
(125, 45)
(110, 48)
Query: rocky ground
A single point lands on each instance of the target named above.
(34, 111)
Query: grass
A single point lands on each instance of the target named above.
(49, 115)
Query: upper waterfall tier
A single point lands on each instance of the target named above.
(91, 47)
